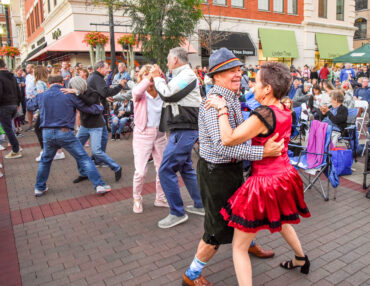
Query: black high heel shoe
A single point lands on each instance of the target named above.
(305, 268)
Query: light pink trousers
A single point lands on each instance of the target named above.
(144, 143)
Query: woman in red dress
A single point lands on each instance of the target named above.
(272, 197)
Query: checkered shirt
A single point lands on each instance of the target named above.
(211, 148)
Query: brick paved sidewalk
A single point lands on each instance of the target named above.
(72, 237)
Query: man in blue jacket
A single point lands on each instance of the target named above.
(347, 73)
(58, 114)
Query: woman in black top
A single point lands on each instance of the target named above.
(337, 115)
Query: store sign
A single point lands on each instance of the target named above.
(357, 54)
(56, 34)
(239, 43)
(282, 54)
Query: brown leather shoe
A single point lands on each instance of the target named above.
(200, 281)
(258, 251)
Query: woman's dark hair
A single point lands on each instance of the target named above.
(337, 95)
(325, 65)
(316, 87)
(278, 76)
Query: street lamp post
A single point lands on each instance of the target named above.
(6, 4)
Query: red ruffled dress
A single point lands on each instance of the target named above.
(273, 194)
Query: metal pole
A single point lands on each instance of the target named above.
(8, 42)
(112, 42)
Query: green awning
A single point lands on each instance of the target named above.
(331, 46)
(278, 43)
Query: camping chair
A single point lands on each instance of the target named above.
(312, 174)
(361, 120)
(350, 136)
(298, 127)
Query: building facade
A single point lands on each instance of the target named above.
(362, 23)
(295, 32)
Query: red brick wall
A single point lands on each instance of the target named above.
(250, 11)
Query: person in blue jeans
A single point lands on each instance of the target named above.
(181, 100)
(57, 115)
(92, 126)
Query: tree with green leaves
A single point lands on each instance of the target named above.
(161, 25)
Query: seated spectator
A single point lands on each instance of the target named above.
(364, 72)
(301, 96)
(327, 86)
(293, 88)
(337, 84)
(289, 104)
(363, 93)
(349, 101)
(314, 101)
(122, 113)
(336, 115)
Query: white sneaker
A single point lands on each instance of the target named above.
(101, 190)
(172, 220)
(2, 148)
(39, 193)
(59, 156)
(1, 166)
(39, 157)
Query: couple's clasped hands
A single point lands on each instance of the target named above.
(272, 148)
(155, 71)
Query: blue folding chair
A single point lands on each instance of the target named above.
(312, 174)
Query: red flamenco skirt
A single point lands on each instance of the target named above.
(267, 202)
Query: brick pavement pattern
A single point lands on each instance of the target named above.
(72, 237)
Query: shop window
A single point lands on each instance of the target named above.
(319, 63)
(361, 4)
(237, 3)
(279, 6)
(41, 12)
(264, 5)
(340, 10)
(323, 7)
(37, 16)
(32, 23)
(219, 2)
(361, 24)
(293, 7)
(2, 9)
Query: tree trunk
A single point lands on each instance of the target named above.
(112, 43)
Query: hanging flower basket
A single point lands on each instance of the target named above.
(126, 41)
(95, 38)
(9, 51)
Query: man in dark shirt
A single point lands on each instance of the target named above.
(10, 97)
(57, 115)
(96, 81)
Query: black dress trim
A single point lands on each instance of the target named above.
(270, 129)
(258, 223)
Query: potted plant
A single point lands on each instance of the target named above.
(96, 42)
(128, 42)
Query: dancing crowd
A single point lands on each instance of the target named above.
(168, 113)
